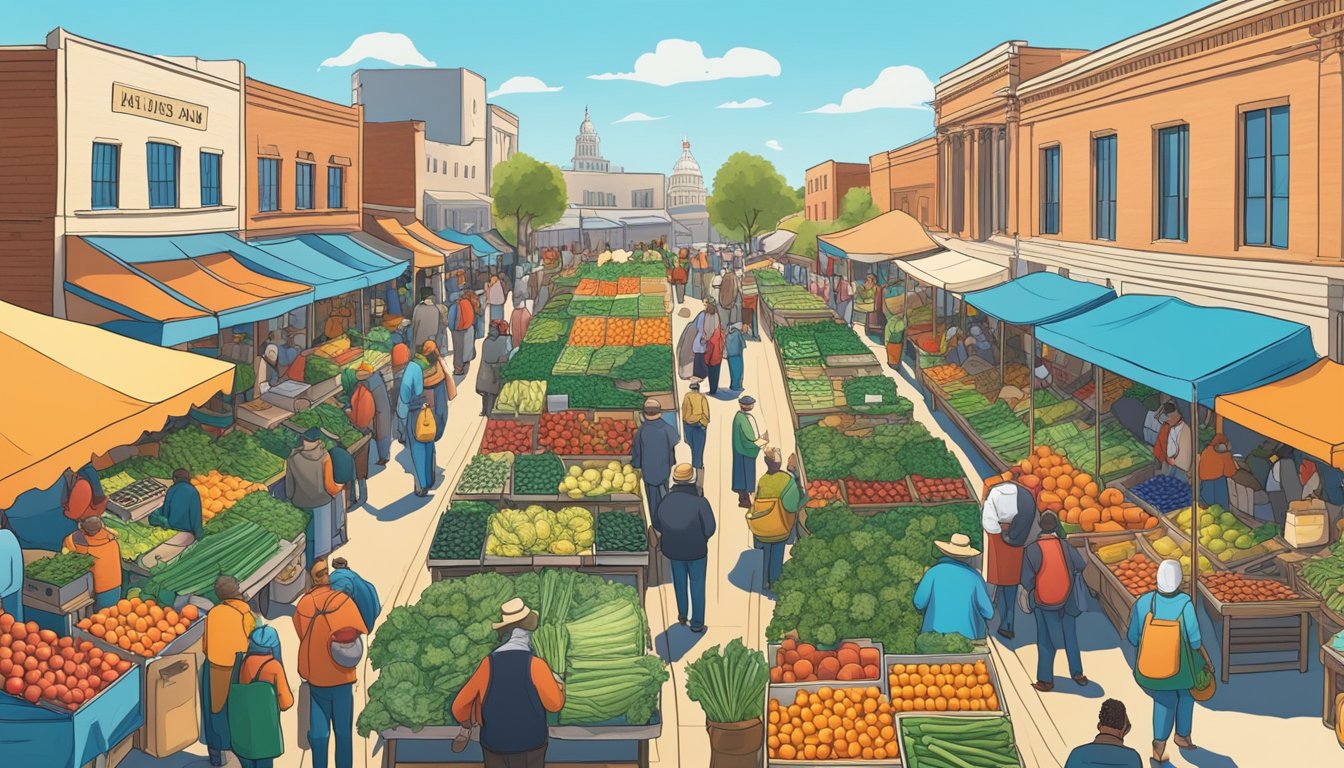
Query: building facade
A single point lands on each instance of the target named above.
(687, 197)
(588, 149)
(906, 179)
(826, 185)
(597, 189)
(502, 128)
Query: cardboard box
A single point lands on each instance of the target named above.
(172, 706)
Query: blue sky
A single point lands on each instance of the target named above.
(820, 50)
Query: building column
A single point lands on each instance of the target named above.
(970, 174)
(1329, 36)
(1010, 151)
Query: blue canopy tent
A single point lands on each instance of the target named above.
(340, 264)
(477, 243)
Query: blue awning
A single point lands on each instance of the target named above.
(1182, 349)
(478, 244)
(1039, 298)
(340, 264)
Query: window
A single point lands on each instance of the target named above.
(163, 174)
(303, 185)
(106, 174)
(641, 198)
(823, 210)
(1265, 177)
(1103, 212)
(268, 184)
(210, 163)
(1050, 191)
(335, 187)
(1173, 193)
(455, 165)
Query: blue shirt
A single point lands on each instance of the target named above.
(1169, 608)
(1104, 753)
(181, 510)
(735, 345)
(362, 592)
(412, 387)
(953, 597)
(11, 563)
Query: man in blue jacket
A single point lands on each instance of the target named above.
(358, 588)
(952, 594)
(653, 452)
(685, 522)
(733, 347)
(1108, 750)
(181, 510)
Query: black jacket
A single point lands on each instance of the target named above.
(685, 522)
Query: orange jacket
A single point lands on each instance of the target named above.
(467, 705)
(227, 627)
(319, 614)
(267, 669)
(106, 553)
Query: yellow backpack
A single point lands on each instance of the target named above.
(426, 429)
(769, 521)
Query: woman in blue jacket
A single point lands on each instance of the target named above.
(952, 594)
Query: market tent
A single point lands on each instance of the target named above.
(478, 244)
(1038, 298)
(893, 235)
(337, 261)
(84, 391)
(1182, 349)
(571, 220)
(362, 248)
(391, 230)
(497, 241)
(1301, 410)
(955, 272)
(777, 243)
(422, 233)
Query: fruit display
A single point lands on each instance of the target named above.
(317, 369)
(135, 539)
(588, 332)
(1222, 534)
(1110, 554)
(1164, 492)
(627, 285)
(950, 687)
(938, 742)
(244, 455)
(237, 552)
(1233, 587)
(486, 475)
(940, 489)
(331, 420)
(1113, 388)
(594, 478)
(823, 490)
(797, 662)
(574, 360)
(572, 433)
(815, 394)
(619, 531)
(1168, 548)
(219, 492)
(540, 531)
(653, 330)
(537, 474)
(59, 569)
(943, 374)
(519, 397)
(278, 516)
(587, 287)
(1325, 574)
(621, 332)
(116, 482)
(37, 665)
(142, 627)
(1074, 495)
(542, 330)
(607, 289)
(832, 724)
(608, 358)
(1138, 573)
(877, 492)
(461, 531)
(859, 389)
(507, 435)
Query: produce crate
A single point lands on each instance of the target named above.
(1115, 598)
(1328, 621)
(616, 498)
(952, 658)
(901, 734)
(627, 745)
(1150, 535)
(1252, 628)
(490, 561)
(56, 595)
(785, 695)
(871, 509)
(617, 557)
(180, 644)
(132, 680)
(324, 389)
(789, 689)
(914, 489)
(261, 578)
(1272, 547)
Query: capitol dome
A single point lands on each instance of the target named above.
(686, 185)
(588, 148)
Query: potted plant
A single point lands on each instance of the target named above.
(730, 687)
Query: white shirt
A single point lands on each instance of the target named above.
(1174, 440)
(1000, 508)
(1151, 426)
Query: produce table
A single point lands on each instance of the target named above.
(1332, 664)
(940, 403)
(1117, 602)
(609, 746)
(632, 573)
(1261, 627)
(259, 414)
(37, 736)
(254, 587)
(1328, 622)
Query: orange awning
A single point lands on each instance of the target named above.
(1302, 411)
(218, 282)
(893, 235)
(90, 269)
(424, 235)
(85, 391)
(392, 231)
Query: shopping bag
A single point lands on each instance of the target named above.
(305, 709)
(426, 429)
(1160, 647)
(254, 719)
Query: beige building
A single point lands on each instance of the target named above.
(502, 127)
(597, 189)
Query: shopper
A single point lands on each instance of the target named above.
(653, 452)
(678, 277)
(844, 300)
(494, 354)
(494, 296)
(462, 329)
(401, 358)
(1163, 626)
(93, 539)
(519, 320)
(181, 510)
(329, 625)
(440, 386)
(375, 412)
(1216, 465)
(733, 348)
(510, 693)
(83, 494)
(1172, 448)
(773, 519)
(706, 325)
(425, 320)
(865, 301)
(1050, 574)
(345, 476)
(412, 400)
(1108, 750)
(259, 691)
(11, 571)
(729, 296)
(747, 443)
(310, 485)
(358, 588)
(1007, 517)
(685, 523)
(952, 593)
(695, 426)
(227, 628)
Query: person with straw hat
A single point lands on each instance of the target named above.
(510, 693)
(685, 523)
(952, 594)
(653, 452)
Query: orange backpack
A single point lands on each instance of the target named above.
(466, 315)
(361, 407)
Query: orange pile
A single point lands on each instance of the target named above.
(1074, 495)
(587, 287)
(620, 332)
(588, 332)
(833, 724)
(607, 289)
(1233, 587)
(219, 492)
(627, 286)
(942, 374)
(653, 330)
(142, 627)
(942, 688)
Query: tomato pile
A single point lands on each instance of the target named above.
(823, 490)
(38, 665)
(1137, 573)
(797, 662)
(877, 491)
(142, 627)
(571, 433)
(507, 435)
(940, 489)
(1232, 587)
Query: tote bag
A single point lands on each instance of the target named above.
(254, 717)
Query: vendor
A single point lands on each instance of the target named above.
(227, 628)
(84, 494)
(181, 510)
(1283, 485)
(268, 369)
(1216, 465)
(11, 571)
(98, 542)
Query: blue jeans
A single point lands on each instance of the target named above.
(774, 560)
(735, 373)
(1214, 492)
(333, 709)
(695, 438)
(1052, 627)
(106, 599)
(13, 604)
(690, 573)
(1005, 605)
(1172, 708)
(1177, 472)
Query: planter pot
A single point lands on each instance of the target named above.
(893, 353)
(736, 745)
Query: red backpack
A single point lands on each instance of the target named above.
(466, 315)
(1052, 580)
(361, 407)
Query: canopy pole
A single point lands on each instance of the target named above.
(1031, 391)
(1096, 421)
(933, 292)
(1194, 496)
(905, 316)
(1003, 332)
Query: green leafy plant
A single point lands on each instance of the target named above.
(60, 569)
(729, 684)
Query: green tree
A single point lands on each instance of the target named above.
(800, 194)
(529, 194)
(750, 197)
(856, 207)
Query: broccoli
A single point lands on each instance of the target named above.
(940, 643)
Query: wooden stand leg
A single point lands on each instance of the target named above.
(644, 753)
(1304, 620)
(1227, 654)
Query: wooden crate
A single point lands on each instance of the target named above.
(1258, 628)
(1116, 600)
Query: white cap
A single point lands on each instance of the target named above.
(1169, 577)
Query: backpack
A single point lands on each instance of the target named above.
(1052, 580)
(769, 521)
(426, 429)
(466, 315)
(714, 347)
(342, 465)
(361, 408)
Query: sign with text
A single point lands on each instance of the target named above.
(133, 101)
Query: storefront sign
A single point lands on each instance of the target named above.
(133, 101)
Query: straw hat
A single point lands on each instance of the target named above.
(683, 473)
(512, 612)
(959, 546)
(652, 409)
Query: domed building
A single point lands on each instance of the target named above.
(686, 185)
(588, 148)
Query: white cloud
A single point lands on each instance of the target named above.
(391, 47)
(676, 61)
(752, 103)
(639, 117)
(523, 84)
(901, 87)
(774, 144)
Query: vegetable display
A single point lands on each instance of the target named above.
(803, 663)
(1164, 492)
(116, 482)
(940, 489)
(277, 441)
(507, 435)
(59, 569)
(649, 365)
(1233, 587)
(598, 478)
(859, 389)
(943, 374)
(621, 331)
(539, 531)
(619, 531)
(729, 684)
(651, 306)
(135, 539)
(865, 715)
(330, 419)
(40, 666)
(191, 449)
(542, 330)
(533, 362)
(793, 298)
(572, 433)
(521, 397)
(823, 490)
(461, 531)
(877, 492)
(317, 369)
(487, 474)
(237, 552)
(286, 521)
(1121, 452)
(607, 359)
(1001, 429)
(537, 474)
(220, 492)
(943, 643)
(814, 394)
(937, 742)
(245, 456)
(1326, 576)
(951, 687)
(1222, 534)
(587, 332)
(142, 627)
(594, 392)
